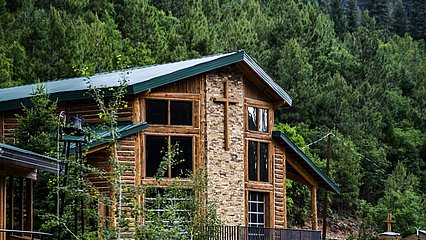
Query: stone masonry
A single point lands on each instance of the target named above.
(225, 169)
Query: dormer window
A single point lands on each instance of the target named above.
(168, 112)
(257, 119)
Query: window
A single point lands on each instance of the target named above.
(257, 209)
(160, 204)
(257, 119)
(258, 161)
(168, 112)
(157, 147)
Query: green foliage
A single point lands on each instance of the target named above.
(36, 123)
(353, 15)
(361, 74)
(402, 199)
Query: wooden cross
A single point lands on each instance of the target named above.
(389, 222)
(226, 100)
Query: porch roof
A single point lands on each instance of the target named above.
(102, 136)
(323, 180)
(139, 79)
(23, 158)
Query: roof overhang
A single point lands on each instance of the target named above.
(139, 80)
(100, 136)
(14, 156)
(323, 180)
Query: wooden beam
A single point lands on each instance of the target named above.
(301, 171)
(11, 196)
(21, 203)
(29, 210)
(226, 101)
(314, 208)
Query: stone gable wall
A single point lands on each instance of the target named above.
(225, 169)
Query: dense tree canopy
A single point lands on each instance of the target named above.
(355, 67)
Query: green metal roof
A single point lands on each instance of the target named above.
(139, 79)
(101, 136)
(319, 175)
(24, 158)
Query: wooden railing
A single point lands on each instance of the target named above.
(21, 234)
(253, 233)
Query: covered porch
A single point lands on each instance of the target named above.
(18, 171)
(298, 167)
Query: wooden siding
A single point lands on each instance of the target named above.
(90, 111)
(9, 125)
(127, 158)
(100, 160)
(280, 187)
(189, 85)
(255, 92)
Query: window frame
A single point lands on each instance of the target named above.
(169, 120)
(169, 140)
(258, 160)
(267, 208)
(258, 109)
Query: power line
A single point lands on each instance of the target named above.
(346, 145)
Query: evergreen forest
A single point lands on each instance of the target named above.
(356, 68)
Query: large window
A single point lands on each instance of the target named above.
(257, 209)
(168, 112)
(257, 119)
(258, 161)
(178, 148)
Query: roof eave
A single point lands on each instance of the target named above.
(188, 72)
(28, 159)
(259, 71)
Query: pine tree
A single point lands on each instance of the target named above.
(418, 19)
(353, 15)
(36, 123)
(336, 12)
(399, 19)
(379, 9)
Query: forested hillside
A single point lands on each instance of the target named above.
(356, 68)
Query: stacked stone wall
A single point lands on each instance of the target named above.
(225, 169)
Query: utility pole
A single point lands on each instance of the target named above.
(327, 172)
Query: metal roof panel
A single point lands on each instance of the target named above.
(139, 79)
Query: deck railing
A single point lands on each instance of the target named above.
(25, 234)
(253, 233)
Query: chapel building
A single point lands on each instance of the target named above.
(220, 109)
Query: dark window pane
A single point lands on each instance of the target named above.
(261, 218)
(263, 114)
(184, 165)
(155, 149)
(253, 218)
(156, 111)
(252, 118)
(252, 160)
(257, 212)
(180, 113)
(264, 162)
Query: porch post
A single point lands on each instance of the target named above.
(29, 204)
(2, 206)
(314, 208)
